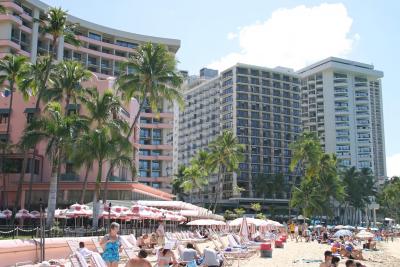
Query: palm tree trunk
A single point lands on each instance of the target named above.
(36, 114)
(82, 198)
(20, 181)
(52, 202)
(96, 196)
(3, 153)
(10, 108)
(105, 192)
(217, 191)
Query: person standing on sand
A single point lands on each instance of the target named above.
(291, 228)
(328, 259)
(139, 261)
(112, 246)
(160, 234)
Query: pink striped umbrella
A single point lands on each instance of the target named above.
(7, 213)
(23, 214)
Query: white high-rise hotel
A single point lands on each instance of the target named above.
(339, 100)
(342, 103)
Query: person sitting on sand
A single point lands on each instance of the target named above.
(165, 256)
(370, 244)
(143, 241)
(328, 259)
(139, 260)
(153, 240)
(352, 252)
(350, 263)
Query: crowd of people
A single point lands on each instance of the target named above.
(330, 260)
(155, 243)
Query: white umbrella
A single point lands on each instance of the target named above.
(343, 233)
(364, 234)
(338, 227)
(206, 222)
(244, 229)
(349, 227)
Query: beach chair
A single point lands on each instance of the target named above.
(96, 243)
(98, 261)
(128, 248)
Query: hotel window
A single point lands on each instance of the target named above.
(94, 36)
(126, 44)
(155, 165)
(4, 118)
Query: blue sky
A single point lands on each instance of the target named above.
(268, 33)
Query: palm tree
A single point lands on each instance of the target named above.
(194, 178)
(37, 82)
(55, 23)
(66, 82)
(104, 144)
(307, 152)
(307, 197)
(60, 133)
(150, 76)
(177, 181)
(13, 70)
(226, 153)
(102, 112)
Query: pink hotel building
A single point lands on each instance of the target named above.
(101, 50)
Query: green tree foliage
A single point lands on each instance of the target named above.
(239, 212)
(389, 198)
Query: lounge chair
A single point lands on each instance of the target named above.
(96, 243)
(98, 260)
(128, 248)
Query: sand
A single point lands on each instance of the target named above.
(294, 254)
(297, 255)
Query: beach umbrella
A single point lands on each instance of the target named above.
(364, 235)
(7, 213)
(338, 227)
(244, 228)
(23, 214)
(205, 222)
(60, 213)
(374, 229)
(343, 233)
(349, 227)
(35, 214)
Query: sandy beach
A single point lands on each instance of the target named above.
(306, 254)
(297, 254)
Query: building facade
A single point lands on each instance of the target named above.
(261, 106)
(342, 103)
(101, 51)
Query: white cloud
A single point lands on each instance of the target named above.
(232, 35)
(293, 38)
(393, 165)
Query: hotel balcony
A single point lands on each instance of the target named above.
(154, 157)
(155, 147)
(157, 125)
(3, 128)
